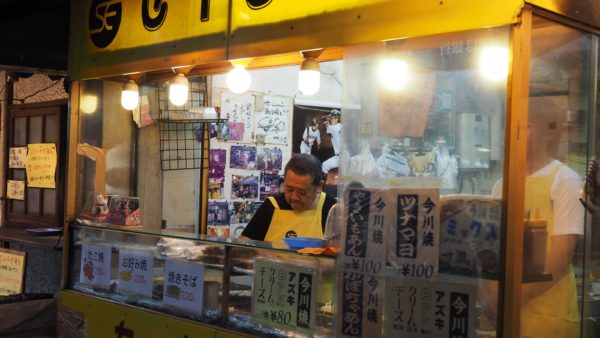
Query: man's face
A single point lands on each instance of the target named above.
(334, 120)
(299, 191)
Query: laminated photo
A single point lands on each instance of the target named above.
(242, 212)
(217, 163)
(270, 185)
(217, 213)
(216, 191)
(244, 187)
(242, 157)
(269, 159)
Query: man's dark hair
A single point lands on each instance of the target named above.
(305, 164)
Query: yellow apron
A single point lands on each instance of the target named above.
(305, 223)
(553, 313)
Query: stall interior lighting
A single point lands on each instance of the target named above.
(130, 95)
(179, 90)
(393, 74)
(89, 104)
(238, 79)
(309, 77)
(493, 63)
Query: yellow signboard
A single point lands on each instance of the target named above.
(12, 269)
(41, 165)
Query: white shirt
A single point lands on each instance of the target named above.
(334, 131)
(567, 211)
(311, 136)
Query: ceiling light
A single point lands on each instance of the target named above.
(393, 74)
(493, 63)
(238, 79)
(179, 90)
(130, 95)
(309, 77)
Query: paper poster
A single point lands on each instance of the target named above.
(269, 159)
(217, 163)
(184, 285)
(414, 232)
(12, 270)
(284, 296)
(239, 112)
(365, 214)
(424, 309)
(244, 187)
(216, 189)
(15, 190)
(17, 157)
(470, 235)
(273, 122)
(218, 230)
(95, 265)
(135, 272)
(217, 213)
(41, 165)
(360, 308)
(235, 230)
(243, 157)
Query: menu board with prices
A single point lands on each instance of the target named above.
(184, 285)
(12, 270)
(360, 305)
(135, 272)
(95, 265)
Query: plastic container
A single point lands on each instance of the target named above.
(304, 242)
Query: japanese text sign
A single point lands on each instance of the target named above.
(366, 213)
(17, 157)
(41, 165)
(283, 296)
(360, 308)
(413, 245)
(273, 120)
(12, 269)
(469, 235)
(422, 309)
(135, 272)
(95, 265)
(15, 190)
(184, 285)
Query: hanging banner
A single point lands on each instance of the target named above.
(17, 157)
(184, 285)
(15, 190)
(95, 265)
(284, 296)
(135, 272)
(41, 165)
(423, 309)
(12, 270)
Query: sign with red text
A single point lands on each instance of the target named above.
(41, 165)
(135, 272)
(95, 265)
(12, 269)
(184, 285)
(283, 296)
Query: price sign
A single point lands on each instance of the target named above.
(95, 265)
(184, 285)
(12, 269)
(135, 272)
(284, 296)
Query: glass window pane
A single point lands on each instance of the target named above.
(49, 203)
(20, 132)
(33, 201)
(52, 129)
(35, 129)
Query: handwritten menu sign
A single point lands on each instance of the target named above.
(283, 296)
(41, 165)
(273, 121)
(15, 190)
(364, 245)
(413, 236)
(17, 157)
(95, 265)
(135, 272)
(239, 111)
(423, 309)
(12, 269)
(470, 235)
(360, 312)
(184, 285)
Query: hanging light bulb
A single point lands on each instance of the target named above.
(130, 95)
(89, 104)
(393, 74)
(309, 77)
(493, 63)
(238, 79)
(178, 90)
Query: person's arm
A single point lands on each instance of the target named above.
(259, 224)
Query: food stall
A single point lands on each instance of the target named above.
(439, 235)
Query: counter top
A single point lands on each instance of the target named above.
(10, 234)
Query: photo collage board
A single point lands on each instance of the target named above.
(247, 156)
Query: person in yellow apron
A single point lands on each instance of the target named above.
(549, 308)
(302, 209)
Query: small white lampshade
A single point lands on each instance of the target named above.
(309, 77)
(179, 90)
(130, 96)
(238, 79)
(393, 74)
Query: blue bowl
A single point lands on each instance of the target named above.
(303, 242)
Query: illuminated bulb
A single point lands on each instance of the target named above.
(178, 90)
(89, 104)
(493, 63)
(309, 77)
(393, 74)
(238, 79)
(130, 96)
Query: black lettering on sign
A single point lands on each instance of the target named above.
(104, 21)
(204, 12)
(258, 4)
(153, 21)
(122, 331)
